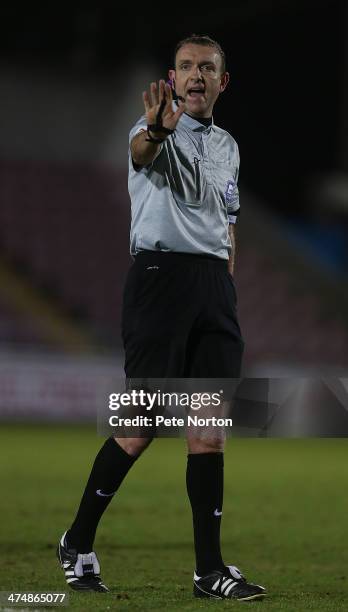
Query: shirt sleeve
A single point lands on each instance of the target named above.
(232, 193)
(140, 126)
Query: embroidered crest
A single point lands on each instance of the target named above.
(229, 192)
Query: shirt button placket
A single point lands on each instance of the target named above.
(206, 161)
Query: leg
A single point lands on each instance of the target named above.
(152, 349)
(204, 480)
(133, 446)
(158, 309)
(215, 345)
(75, 554)
(214, 351)
(110, 467)
(205, 488)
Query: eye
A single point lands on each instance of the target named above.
(185, 66)
(208, 68)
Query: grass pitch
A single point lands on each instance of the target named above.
(285, 521)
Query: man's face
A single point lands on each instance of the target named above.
(198, 78)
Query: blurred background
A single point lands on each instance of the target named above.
(71, 77)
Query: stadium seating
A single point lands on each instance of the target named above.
(67, 228)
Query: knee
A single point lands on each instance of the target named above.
(133, 446)
(209, 445)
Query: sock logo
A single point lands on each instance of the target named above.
(217, 513)
(99, 492)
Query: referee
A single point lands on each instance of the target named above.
(179, 307)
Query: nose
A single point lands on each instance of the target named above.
(196, 72)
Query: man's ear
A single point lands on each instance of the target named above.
(224, 81)
(171, 74)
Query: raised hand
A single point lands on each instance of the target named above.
(159, 108)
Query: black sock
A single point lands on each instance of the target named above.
(204, 480)
(109, 469)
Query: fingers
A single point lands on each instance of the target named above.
(154, 94)
(146, 101)
(162, 97)
(162, 91)
(169, 97)
(160, 101)
(168, 92)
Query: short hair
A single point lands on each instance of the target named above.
(204, 40)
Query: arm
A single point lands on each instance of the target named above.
(144, 152)
(159, 113)
(231, 260)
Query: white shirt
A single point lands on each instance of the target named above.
(185, 199)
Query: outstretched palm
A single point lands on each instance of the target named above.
(159, 110)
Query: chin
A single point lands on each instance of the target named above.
(196, 109)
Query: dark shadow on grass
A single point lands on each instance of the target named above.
(32, 548)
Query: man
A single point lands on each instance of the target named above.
(179, 310)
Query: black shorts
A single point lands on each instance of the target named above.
(179, 318)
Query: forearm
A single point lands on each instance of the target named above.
(231, 259)
(143, 152)
(161, 121)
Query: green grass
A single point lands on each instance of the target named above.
(285, 521)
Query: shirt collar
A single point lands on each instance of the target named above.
(191, 123)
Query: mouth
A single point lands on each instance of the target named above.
(195, 93)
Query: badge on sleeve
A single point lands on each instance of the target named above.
(229, 192)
